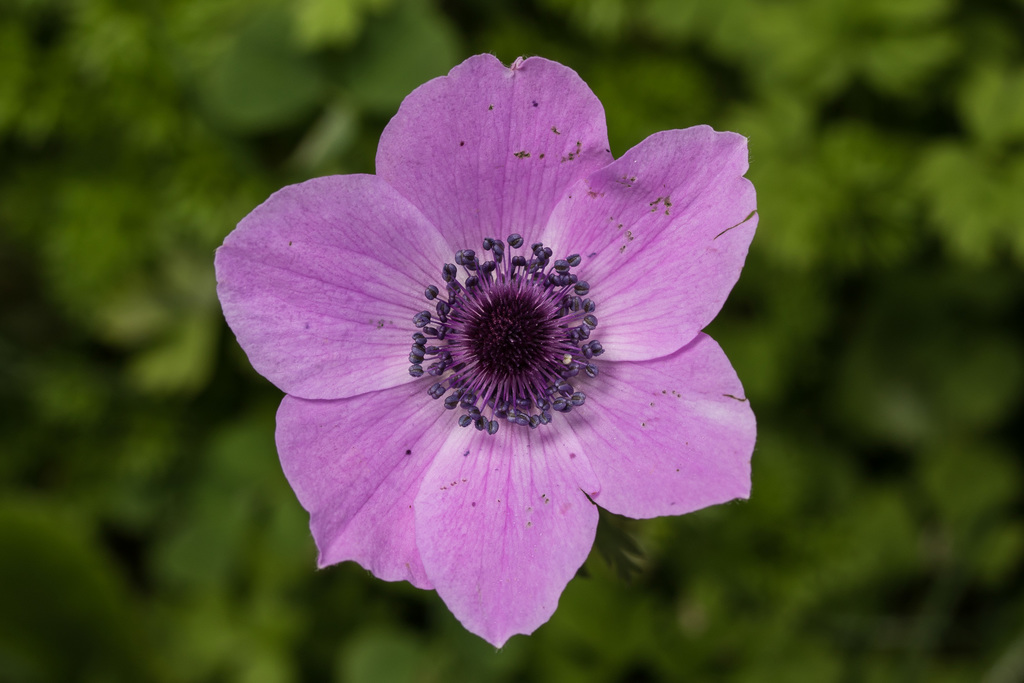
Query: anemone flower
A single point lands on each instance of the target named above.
(497, 331)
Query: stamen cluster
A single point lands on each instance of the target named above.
(511, 336)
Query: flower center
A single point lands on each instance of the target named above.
(508, 338)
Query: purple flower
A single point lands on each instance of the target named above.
(435, 327)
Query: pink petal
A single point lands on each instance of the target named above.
(668, 226)
(320, 284)
(489, 150)
(502, 527)
(668, 436)
(356, 465)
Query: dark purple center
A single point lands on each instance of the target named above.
(507, 341)
(511, 334)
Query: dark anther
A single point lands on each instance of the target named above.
(449, 272)
(582, 288)
(466, 258)
(416, 370)
(465, 420)
(436, 390)
(515, 240)
(590, 320)
(431, 292)
(574, 260)
(561, 265)
(578, 398)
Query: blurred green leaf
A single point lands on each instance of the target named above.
(181, 361)
(383, 656)
(968, 482)
(263, 81)
(326, 139)
(321, 23)
(15, 63)
(973, 200)
(917, 369)
(68, 391)
(991, 102)
(900, 64)
(398, 52)
(66, 614)
(1000, 550)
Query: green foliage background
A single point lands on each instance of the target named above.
(146, 531)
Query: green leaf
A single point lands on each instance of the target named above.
(66, 615)
(321, 23)
(991, 103)
(16, 63)
(379, 655)
(263, 82)
(968, 482)
(617, 546)
(973, 200)
(398, 52)
(181, 361)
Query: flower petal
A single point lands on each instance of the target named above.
(489, 150)
(320, 284)
(502, 527)
(668, 436)
(356, 465)
(667, 229)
